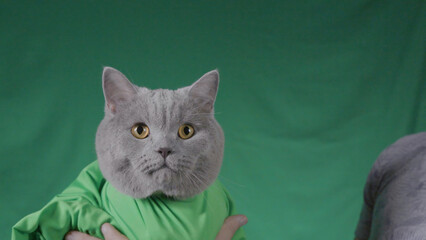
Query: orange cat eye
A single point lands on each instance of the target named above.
(186, 131)
(140, 130)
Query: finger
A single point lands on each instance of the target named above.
(230, 226)
(75, 235)
(110, 233)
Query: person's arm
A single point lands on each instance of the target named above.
(229, 227)
(232, 211)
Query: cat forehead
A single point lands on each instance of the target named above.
(160, 107)
(161, 97)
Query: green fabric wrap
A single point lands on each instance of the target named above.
(91, 201)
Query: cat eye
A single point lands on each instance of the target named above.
(140, 130)
(186, 131)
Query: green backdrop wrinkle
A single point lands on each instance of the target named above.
(310, 93)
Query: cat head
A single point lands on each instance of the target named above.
(159, 141)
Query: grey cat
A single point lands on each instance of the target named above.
(159, 141)
(160, 152)
(395, 193)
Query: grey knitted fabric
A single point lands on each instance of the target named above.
(395, 193)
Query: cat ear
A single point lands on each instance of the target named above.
(117, 88)
(204, 90)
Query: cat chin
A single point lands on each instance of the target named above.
(163, 175)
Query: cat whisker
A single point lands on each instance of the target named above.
(142, 167)
(199, 180)
(150, 168)
(191, 181)
(147, 169)
(194, 180)
(184, 163)
(182, 168)
(185, 160)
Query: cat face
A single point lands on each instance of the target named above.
(159, 141)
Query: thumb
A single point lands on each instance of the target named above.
(110, 233)
(230, 226)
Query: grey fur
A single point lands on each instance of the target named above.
(395, 194)
(133, 165)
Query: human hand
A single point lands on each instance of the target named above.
(109, 232)
(229, 227)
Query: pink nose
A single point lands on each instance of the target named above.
(164, 152)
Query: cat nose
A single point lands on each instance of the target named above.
(164, 152)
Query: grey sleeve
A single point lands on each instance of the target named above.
(384, 170)
(371, 189)
(362, 231)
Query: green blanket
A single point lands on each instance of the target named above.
(91, 201)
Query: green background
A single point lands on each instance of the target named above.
(310, 93)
